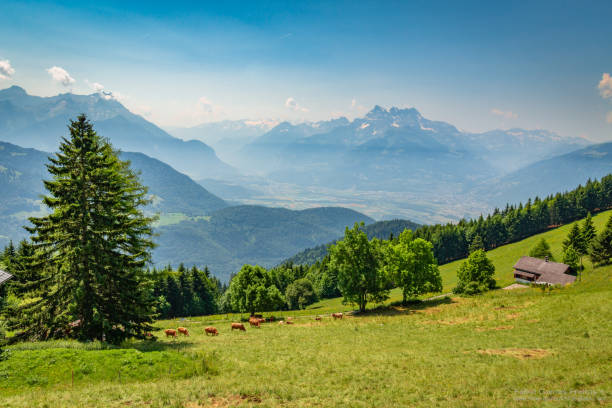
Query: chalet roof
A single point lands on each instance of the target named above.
(546, 272)
(4, 276)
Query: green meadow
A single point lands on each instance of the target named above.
(524, 347)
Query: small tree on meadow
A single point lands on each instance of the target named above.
(361, 276)
(252, 290)
(541, 250)
(576, 241)
(300, 294)
(588, 231)
(412, 265)
(475, 274)
(601, 248)
(571, 258)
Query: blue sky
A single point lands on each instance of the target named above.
(478, 65)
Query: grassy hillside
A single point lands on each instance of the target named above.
(506, 348)
(506, 256)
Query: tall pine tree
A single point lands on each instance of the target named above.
(91, 250)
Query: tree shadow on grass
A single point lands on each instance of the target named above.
(399, 309)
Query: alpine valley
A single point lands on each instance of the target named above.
(284, 187)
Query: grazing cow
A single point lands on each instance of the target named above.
(211, 330)
(238, 326)
(337, 315)
(289, 322)
(318, 318)
(281, 322)
(170, 333)
(254, 321)
(183, 331)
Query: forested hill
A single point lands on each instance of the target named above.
(22, 172)
(250, 234)
(380, 230)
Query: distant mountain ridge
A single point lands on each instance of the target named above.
(549, 176)
(39, 122)
(22, 171)
(396, 149)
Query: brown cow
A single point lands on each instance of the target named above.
(170, 333)
(254, 321)
(261, 321)
(337, 315)
(238, 326)
(289, 322)
(211, 330)
(183, 331)
(318, 318)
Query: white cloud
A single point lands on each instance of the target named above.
(504, 114)
(95, 86)
(605, 86)
(6, 70)
(292, 104)
(353, 103)
(61, 75)
(609, 117)
(204, 105)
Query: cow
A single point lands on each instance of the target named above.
(183, 331)
(281, 322)
(211, 330)
(337, 315)
(271, 319)
(238, 326)
(318, 318)
(254, 321)
(170, 333)
(261, 321)
(289, 322)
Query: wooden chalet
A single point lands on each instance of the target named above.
(542, 271)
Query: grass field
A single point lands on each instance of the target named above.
(506, 348)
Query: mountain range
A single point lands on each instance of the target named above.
(391, 163)
(195, 227)
(40, 122)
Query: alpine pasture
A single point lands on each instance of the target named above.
(525, 347)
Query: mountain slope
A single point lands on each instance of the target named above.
(379, 229)
(234, 236)
(22, 171)
(39, 122)
(549, 176)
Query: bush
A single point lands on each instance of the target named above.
(300, 294)
(475, 274)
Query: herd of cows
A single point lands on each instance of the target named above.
(254, 321)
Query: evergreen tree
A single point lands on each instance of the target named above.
(576, 241)
(91, 250)
(541, 250)
(601, 251)
(571, 258)
(476, 244)
(588, 232)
